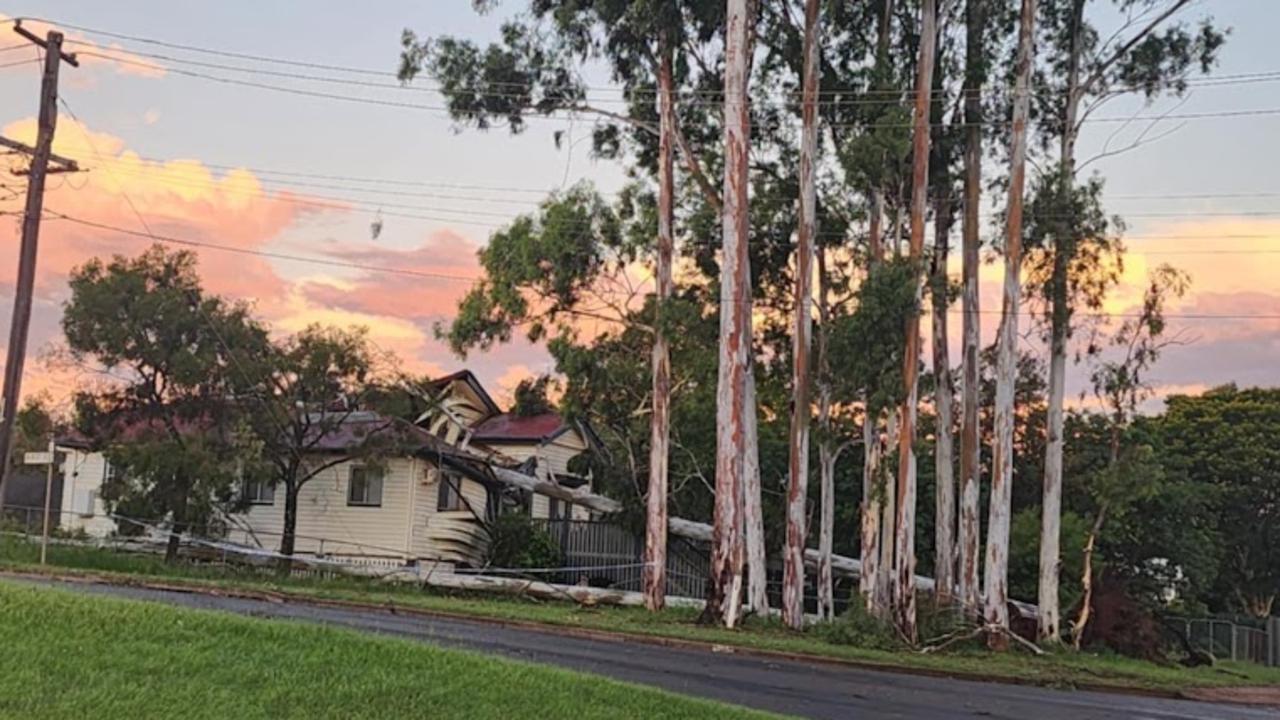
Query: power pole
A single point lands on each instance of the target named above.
(41, 154)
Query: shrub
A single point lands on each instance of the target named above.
(516, 542)
(858, 628)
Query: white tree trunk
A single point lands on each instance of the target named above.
(872, 510)
(888, 479)
(752, 504)
(826, 453)
(904, 593)
(732, 410)
(944, 396)
(970, 431)
(996, 593)
(655, 556)
(1051, 502)
(797, 491)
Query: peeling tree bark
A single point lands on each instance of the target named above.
(826, 454)
(888, 480)
(655, 549)
(904, 594)
(872, 511)
(724, 603)
(797, 491)
(970, 431)
(944, 397)
(752, 501)
(996, 610)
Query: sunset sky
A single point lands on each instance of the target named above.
(203, 160)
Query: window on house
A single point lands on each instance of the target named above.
(559, 509)
(364, 488)
(450, 498)
(258, 492)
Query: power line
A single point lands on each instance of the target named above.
(859, 97)
(186, 242)
(168, 239)
(575, 110)
(142, 160)
(1266, 76)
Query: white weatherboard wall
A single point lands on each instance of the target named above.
(82, 509)
(407, 524)
(328, 524)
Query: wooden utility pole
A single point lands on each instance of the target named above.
(797, 493)
(996, 590)
(41, 154)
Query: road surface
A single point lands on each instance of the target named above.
(812, 690)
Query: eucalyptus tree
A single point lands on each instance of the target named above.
(1082, 69)
(996, 593)
(797, 494)
(904, 592)
(650, 46)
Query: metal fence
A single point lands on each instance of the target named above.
(1232, 640)
(613, 556)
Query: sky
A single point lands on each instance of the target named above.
(188, 158)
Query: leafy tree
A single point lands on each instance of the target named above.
(306, 395)
(1120, 382)
(1082, 68)
(167, 422)
(1220, 447)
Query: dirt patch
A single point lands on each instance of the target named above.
(1264, 696)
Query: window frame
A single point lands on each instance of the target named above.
(265, 488)
(368, 473)
(448, 490)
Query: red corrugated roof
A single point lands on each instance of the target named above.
(509, 426)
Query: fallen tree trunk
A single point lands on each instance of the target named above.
(840, 564)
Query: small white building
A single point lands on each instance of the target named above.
(82, 472)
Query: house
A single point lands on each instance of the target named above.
(544, 444)
(429, 500)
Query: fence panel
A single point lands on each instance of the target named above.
(1228, 640)
(606, 554)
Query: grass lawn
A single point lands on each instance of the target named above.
(72, 656)
(1057, 669)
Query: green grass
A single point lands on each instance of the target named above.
(67, 655)
(1061, 669)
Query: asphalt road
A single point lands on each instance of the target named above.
(802, 689)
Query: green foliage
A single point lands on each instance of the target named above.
(168, 423)
(540, 270)
(1024, 555)
(33, 427)
(859, 628)
(516, 542)
(1221, 447)
(871, 367)
(531, 397)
